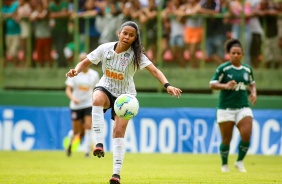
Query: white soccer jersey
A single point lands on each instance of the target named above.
(118, 69)
(82, 88)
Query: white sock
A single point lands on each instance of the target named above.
(71, 136)
(118, 154)
(87, 139)
(98, 123)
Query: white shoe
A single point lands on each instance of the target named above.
(225, 168)
(240, 166)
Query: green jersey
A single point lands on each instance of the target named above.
(243, 75)
(61, 24)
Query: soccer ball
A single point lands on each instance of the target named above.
(126, 106)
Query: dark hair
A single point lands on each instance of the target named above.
(232, 43)
(136, 45)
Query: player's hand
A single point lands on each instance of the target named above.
(173, 91)
(76, 101)
(231, 85)
(71, 73)
(253, 98)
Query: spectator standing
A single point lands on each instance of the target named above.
(131, 10)
(109, 20)
(59, 16)
(176, 30)
(279, 9)
(224, 5)
(215, 30)
(88, 13)
(256, 31)
(193, 30)
(12, 32)
(70, 47)
(236, 10)
(272, 52)
(148, 19)
(42, 33)
(23, 13)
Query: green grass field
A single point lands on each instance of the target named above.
(53, 167)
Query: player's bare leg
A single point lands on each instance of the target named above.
(100, 102)
(226, 129)
(245, 129)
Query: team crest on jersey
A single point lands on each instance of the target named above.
(123, 61)
(246, 76)
(126, 55)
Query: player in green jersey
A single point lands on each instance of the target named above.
(234, 79)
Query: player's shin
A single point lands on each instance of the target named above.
(98, 124)
(224, 152)
(87, 139)
(243, 148)
(71, 137)
(118, 154)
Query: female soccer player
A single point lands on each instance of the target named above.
(120, 60)
(79, 91)
(233, 78)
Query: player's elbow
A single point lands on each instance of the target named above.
(211, 85)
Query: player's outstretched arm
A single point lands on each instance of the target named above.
(79, 67)
(173, 91)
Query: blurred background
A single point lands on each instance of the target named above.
(40, 40)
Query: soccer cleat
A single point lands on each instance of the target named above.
(225, 168)
(69, 151)
(99, 151)
(240, 166)
(115, 179)
(86, 155)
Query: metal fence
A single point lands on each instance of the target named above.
(86, 43)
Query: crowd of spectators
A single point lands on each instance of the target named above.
(50, 25)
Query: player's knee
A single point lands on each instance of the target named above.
(226, 140)
(98, 102)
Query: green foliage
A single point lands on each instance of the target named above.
(55, 167)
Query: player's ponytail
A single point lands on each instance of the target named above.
(136, 45)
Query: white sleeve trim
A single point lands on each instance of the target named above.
(214, 81)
